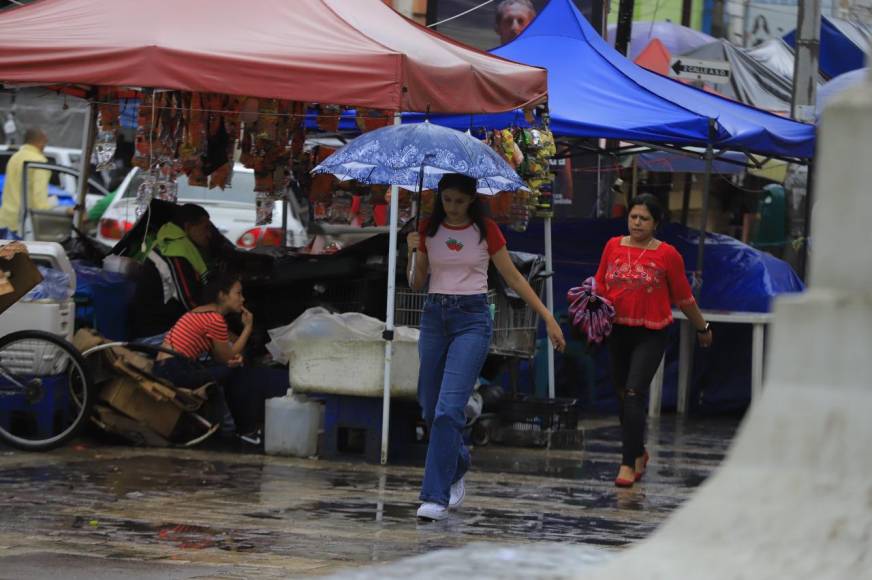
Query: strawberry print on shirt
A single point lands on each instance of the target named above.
(454, 245)
(459, 257)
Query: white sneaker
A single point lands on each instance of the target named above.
(432, 511)
(458, 492)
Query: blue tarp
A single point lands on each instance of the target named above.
(64, 196)
(595, 92)
(843, 45)
(668, 162)
(102, 300)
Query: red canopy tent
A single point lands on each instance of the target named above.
(346, 52)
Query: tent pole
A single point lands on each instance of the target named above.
(549, 302)
(685, 198)
(635, 188)
(85, 162)
(285, 210)
(389, 312)
(709, 158)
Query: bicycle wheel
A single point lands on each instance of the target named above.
(45, 390)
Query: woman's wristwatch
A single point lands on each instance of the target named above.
(708, 327)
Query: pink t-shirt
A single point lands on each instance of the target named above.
(459, 259)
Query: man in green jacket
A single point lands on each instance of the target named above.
(174, 272)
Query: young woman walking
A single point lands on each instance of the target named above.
(455, 247)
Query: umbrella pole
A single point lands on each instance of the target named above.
(417, 211)
(85, 162)
(549, 302)
(389, 312)
(706, 189)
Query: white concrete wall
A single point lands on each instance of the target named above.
(793, 499)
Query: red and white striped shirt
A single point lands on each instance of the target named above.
(194, 332)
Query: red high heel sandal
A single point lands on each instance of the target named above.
(645, 458)
(624, 482)
(621, 482)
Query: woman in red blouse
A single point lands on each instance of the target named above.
(642, 277)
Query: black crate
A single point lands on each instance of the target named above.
(530, 422)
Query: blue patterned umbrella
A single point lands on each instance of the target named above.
(397, 155)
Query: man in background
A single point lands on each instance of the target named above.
(38, 198)
(512, 18)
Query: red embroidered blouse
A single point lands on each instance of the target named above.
(643, 284)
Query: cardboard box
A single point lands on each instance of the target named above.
(22, 274)
(126, 395)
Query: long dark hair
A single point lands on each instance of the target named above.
(477, 212)
(222, 283)
(651, 203)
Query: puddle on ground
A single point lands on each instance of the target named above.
(132, 502)
(177, 535)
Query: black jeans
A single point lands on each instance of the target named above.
(635, 353)
(246, 389)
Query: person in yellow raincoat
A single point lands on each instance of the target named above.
(38, 198)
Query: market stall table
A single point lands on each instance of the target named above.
(758, 320)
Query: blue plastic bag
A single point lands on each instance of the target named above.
(55, 285)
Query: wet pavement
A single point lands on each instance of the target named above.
(173, 513)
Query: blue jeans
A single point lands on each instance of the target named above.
(455, 336)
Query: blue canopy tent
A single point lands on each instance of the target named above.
(595, 92)
(844, 45)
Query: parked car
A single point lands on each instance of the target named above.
(232, 210)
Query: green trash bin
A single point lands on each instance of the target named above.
(771, 231)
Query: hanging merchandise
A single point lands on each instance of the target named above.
(371, 119)
(197, 133)
(328, 118)
(538, 147)
(105, 142)
(192, 149)
(145, 193)
(340, 211)
(104, 150)
(517, 215)
(264, 207)
(222, 130)
(145, 133)
(503, 142)
(265, 143)
(190, 133)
